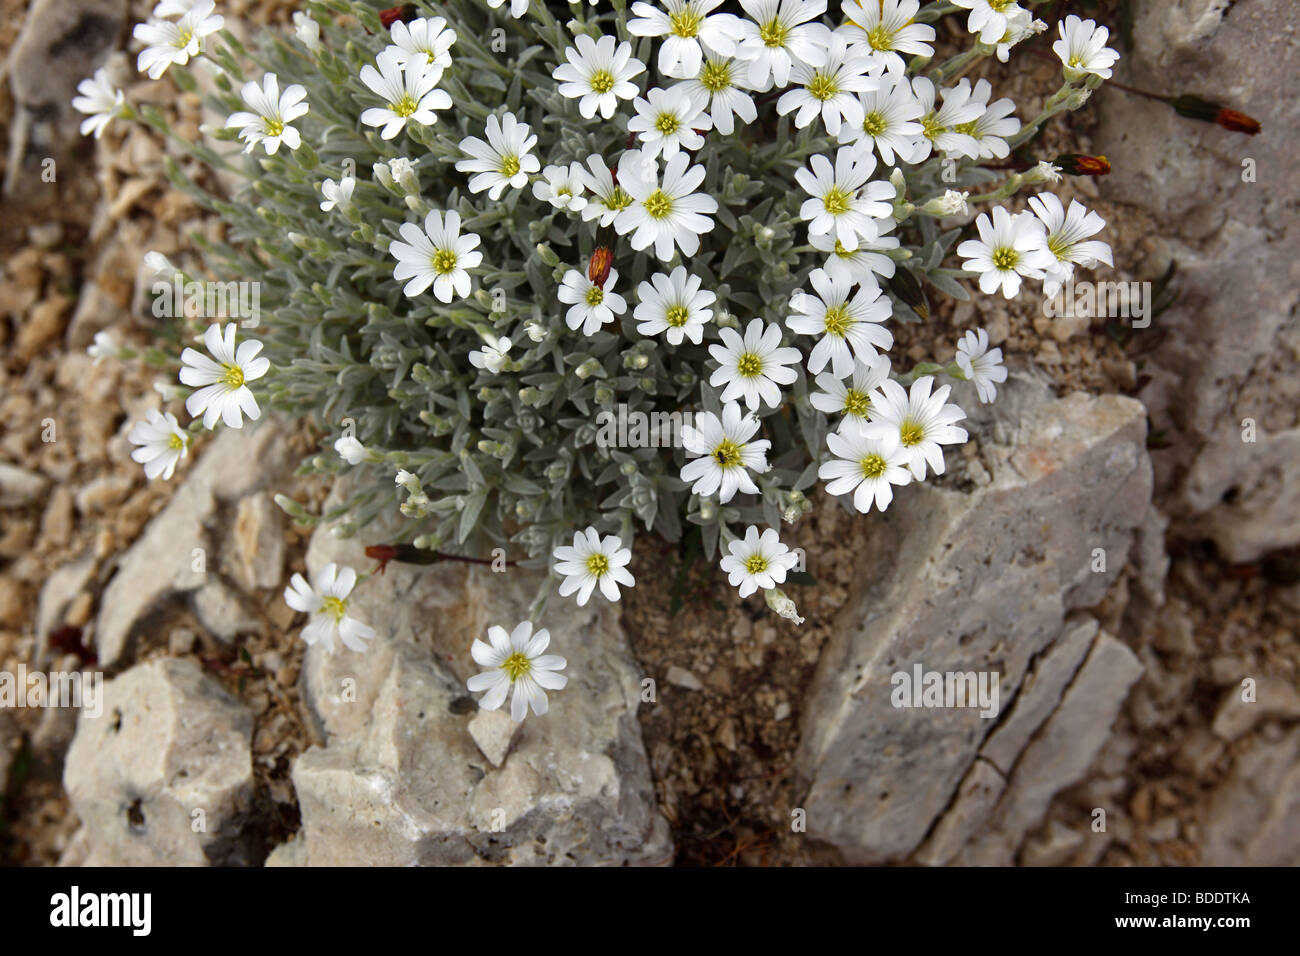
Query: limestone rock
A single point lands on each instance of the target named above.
(258, 543)
(402, 780)
(177, 549)
(1254, 816)
(1272, 698)
(168, 756)
(979, 580)
(495, 733)
(18, 486)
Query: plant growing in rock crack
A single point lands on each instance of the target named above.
(487, 237)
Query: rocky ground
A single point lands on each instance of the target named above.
(757, 744)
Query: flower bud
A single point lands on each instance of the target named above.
(1193, 107)
(1079, 164)
(782, 605)
(588, 368)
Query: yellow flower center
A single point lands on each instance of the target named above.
(727, 454)
(1057, 247)
(658, 205)
(1005, 258)
(822, 87)
(595, 295)
(773, 33)
(334, 607)
(667, 123)
(1076, 60)
(176, 442)
(856, 403)
(880, 38)
(838, 321)
(444, 261)
(183, 38)
(837, 201)
(967, 128)
(873, 124)
(756, 564)
(274, 127)
(842, 252)
(516, 666)
(509, 166)
(618, 199)
(602, 81)
(677, 316)
(910, 433)
(232, 375)
(405, 106)
(598, 565)
(931, 127)
(873, 466)
(1000, 5)
(685, 23)
(749, 365)
(715, 77)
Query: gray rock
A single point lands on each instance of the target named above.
(164, 775)
(1062, 751)
(681, 677)
(60, 589)
(19, 487)
(1236, 716)
(975, 800)
(61, 43)
(494, 733)
(257, 552)
(222, 611)
(1054, 847)
(1226, 351)
(402, 780)
(178, 549)
(1254, 816)
(978, 580)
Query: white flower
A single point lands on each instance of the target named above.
(853, 401)
(843, 201)
(860, 265)
(492, 356)
(598, 74)
(686, 24)
(410, 93)
(1008, 248)
(667, 215)
(989, 19)
(172, 8)
(436, 255)
(593, 561)
(831, 89)
(919, 421)
(162, 444)
(504, 160)
(1044, 172)
(939, 127)
(1020, 26)
(889, 120)
(272, 112)
(350, 450)
(337, 194)
(668, 121)
(757, 561)
(398, 173)
(516, 660)
(779, 37)
(158, 264)
(167, 42)
(429, 38)
(100, 101)
(592, 305)
(980, 365)
(675, 305)
(887, 29)
(307, 31)
(404, 479)
(326, 600)
(169, 391)
(104, 346)
(721, 83)
(222, 389)
(993, 125)
(535, 331)
(517, 9)
(1067, 238)
(779, 602)
(850, 328)
(753, 367)
(611, 198)
(562, 187)
(951, 203)
(726, 454)
(865, 465)
(1082, 48)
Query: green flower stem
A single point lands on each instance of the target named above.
(1058, 102)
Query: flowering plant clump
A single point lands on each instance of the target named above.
(489, 235)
